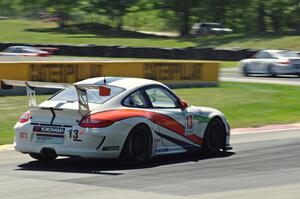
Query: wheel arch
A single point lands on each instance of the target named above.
(223, 119)
(271, 69)
(210, 145)
(124, 153)
(246, 68)
(144, 123)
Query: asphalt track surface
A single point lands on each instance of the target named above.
(262, 165)
(282, 80)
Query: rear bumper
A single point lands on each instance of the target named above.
(62, 151)
(91, 143)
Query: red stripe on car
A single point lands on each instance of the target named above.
(160, 119)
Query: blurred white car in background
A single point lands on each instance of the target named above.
(272, 62)
(208, 28)
(24, 51)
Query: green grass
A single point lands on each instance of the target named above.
(23, 31)
(244, 104)
(247, 104)
(41, 32)
(11, 108)
(228, 64)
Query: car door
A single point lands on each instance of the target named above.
(138, 101)
(258, 63)
(266, 61)
(176, 124)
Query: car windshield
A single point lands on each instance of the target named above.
(70, 95)
(287, 54)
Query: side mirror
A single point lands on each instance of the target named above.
(183, 104)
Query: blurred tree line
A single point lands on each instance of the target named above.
(244, 16)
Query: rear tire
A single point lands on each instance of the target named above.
(214, 137)
(138, 146)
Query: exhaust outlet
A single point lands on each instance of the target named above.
(49, 153)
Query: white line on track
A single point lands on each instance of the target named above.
(263, 131)
(7, 147)
(255, 80)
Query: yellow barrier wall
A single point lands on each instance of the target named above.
(70, 72)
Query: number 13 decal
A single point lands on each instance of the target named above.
(189, 123)
(74, 135)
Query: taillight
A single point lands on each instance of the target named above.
(25, 117)
(95, 121)
(43, 54)
(285, 61)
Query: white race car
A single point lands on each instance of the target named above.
(272, 62)
(25, 51)
(131, 118)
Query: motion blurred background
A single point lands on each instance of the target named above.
(254, 23)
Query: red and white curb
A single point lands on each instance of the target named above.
(235, 131)
(266, 129)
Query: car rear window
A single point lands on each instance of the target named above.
(70, 94)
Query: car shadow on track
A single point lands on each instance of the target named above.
(112, 167)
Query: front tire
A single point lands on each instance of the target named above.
(215, 137)
(138, 145)
(271, 71)
(246, 70)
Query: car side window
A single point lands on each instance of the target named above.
(18, 50)
(268, 56)
(161, 98)
(136, 99)
(260, 55)
(14, 50)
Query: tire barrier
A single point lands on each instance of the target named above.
(144, 52)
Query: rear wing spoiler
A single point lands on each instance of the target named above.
(83, 106)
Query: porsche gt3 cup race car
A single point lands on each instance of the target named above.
(272, 62)
(25, 51)
(114, 117)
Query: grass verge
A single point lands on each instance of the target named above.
(224, 64)
(11, 108)
(25, 31)
(249, 104)
(244, 104)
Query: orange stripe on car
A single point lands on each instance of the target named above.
(160, 119)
